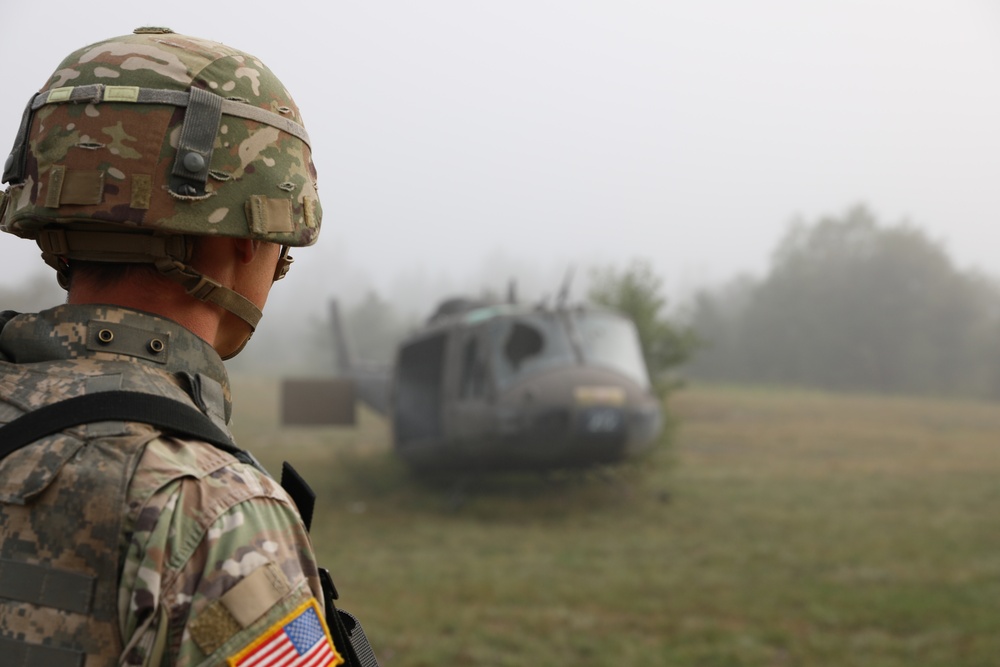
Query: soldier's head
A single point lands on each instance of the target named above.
(143, 153)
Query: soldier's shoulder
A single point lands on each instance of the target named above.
(5, 317)
(221, 536)
(221, 480)
(185, 492)
(169, 458)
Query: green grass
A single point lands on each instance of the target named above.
(781, 529)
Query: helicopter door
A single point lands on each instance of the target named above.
(472, 408)
(419, 390)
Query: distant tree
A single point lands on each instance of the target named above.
(852, 304)
(374, 328)
(636, 292)
(718, 315)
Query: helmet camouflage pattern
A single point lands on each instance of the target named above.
(160, 134)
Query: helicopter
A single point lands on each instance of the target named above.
(496, 385)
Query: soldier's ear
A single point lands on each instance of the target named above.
(246, 249)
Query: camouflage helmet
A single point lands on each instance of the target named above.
(138, 141)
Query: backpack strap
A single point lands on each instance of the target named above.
(158, 411)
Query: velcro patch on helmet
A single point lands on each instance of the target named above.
(142, 191)
(59, 94)
(270, 216)
(121, 93)
(73, 186)
(309, 211)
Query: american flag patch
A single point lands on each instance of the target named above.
(298, 640)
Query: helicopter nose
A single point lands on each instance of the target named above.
(601, 421)
(600, 411)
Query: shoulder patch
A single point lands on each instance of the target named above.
(253, 596)
(241, 605)
(300, 639)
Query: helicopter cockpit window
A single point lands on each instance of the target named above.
(523, 342)
(527, 345)
(610, 340)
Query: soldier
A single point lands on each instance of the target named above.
(164, 178)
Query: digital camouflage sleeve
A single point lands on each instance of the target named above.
(217, 557)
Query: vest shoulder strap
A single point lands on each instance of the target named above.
(157, 411)
(164, 413)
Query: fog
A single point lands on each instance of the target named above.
(460, 145)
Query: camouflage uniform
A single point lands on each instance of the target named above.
(211, 552)
(119, 544)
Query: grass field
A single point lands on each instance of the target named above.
(781, 529)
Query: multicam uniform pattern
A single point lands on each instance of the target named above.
(108, 156)
(211, 552)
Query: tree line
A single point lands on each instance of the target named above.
(851, 304)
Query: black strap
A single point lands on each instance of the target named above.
(158, 411)
(345, 629)
(300, 492)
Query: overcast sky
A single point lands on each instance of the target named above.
(456, 139)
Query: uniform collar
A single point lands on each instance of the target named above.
(112, 333)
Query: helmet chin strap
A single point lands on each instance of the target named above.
(167, 253)
(205, 289)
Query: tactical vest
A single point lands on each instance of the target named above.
(62, 508)
(60, 558)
